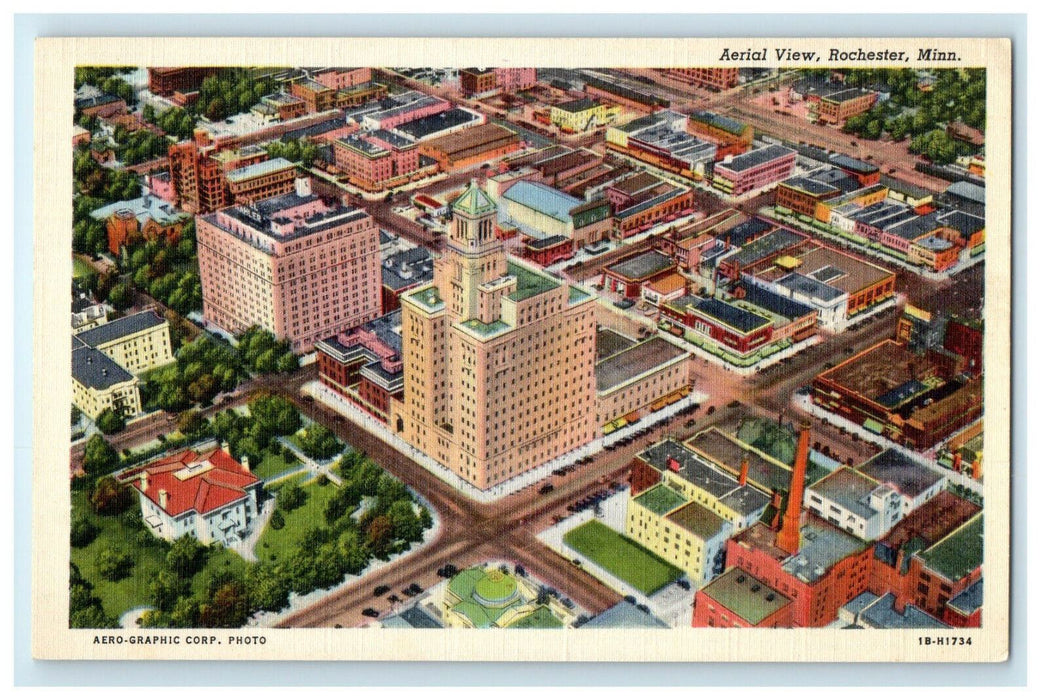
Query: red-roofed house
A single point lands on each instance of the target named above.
(208, 495)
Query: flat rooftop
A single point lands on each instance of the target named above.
(879, 369)
(698, 520)
(757, 157)
(727, 314)
(642, 267)
(645, 356)
(718, 121)
(610, 342)
(848, 488)
(120, 328)
(767, 246)
(624, 615)
(909, 476)
(419, 129)
(660, 499)
(959, 553)
(883, 615)
(529, 282)
(266, 167)
(94, 369)
(822, 546)
(934, 520)
(728, 453)
(746, 596)
(836, 269)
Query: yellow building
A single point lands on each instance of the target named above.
(577, 116)
(498, 357)
(100, 383)
(481, 598)
(684, 533)
(137, 343)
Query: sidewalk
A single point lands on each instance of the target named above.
(329, 398)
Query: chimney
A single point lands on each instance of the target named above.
(245, 465)
(899, 605)
(163, 499)
(776, 504)
(977, 467)
(225, 446)
(143, 481)
(789, 537)
(957, 461)
(672, 464)
(744, 470)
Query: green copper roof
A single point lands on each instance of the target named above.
(474, 201)
(529, 282)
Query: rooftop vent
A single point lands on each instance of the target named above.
(770, 597)
(755, 587)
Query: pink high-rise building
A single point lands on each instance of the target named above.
(292, 264)
(513, 79)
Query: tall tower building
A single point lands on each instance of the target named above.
(498, 357)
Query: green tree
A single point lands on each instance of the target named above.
(82, 532)
(99, 456)
(121, 296)
(227, 607)
(267, 588)
(185, 613)
(276, 521)
(291, 497)
(318, 442)
(110, 497)
(186, 556)
(276, 414)
(166, 589)
(113, 563)
(192, 423)
(110, 421)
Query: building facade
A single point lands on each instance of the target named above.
(294, 265)
(498, 357)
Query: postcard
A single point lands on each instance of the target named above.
(522, 349)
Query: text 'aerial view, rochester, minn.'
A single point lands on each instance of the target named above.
(394, 347)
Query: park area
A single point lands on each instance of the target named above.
(621, 557)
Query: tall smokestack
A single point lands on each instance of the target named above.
(789, 537)
(744, 470)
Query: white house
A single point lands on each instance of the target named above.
(210, 496)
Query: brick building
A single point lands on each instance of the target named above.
(291, 264)
(167, 81)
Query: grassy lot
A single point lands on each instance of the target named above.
(296, 522)
(133, 591)
(621, 557)
(272, 464)
(81, 268)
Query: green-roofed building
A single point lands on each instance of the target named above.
(480, 598)
(498, 357)
(737, 599)
(949, 566)
(683, 532)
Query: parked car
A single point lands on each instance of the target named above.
(546, 488)
(370, 612)
(380, 591)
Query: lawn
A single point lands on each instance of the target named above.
(274, 543)
(133, 590)
(81, 268)
(621, 557)
(273, 464)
